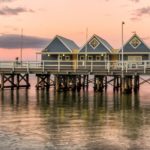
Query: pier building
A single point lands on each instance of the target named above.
(67, 67)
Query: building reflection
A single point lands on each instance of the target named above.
(83, 115)
(84, 119)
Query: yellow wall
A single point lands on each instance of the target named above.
(75, 59)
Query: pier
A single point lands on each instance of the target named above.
(64, 76)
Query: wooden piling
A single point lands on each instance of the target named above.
(43, 81)
(136, 83)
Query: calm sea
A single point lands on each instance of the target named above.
(40, 120)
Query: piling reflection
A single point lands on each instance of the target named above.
(76, 120)
(78, 117)
(14, 98)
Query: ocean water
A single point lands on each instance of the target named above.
(40, 120)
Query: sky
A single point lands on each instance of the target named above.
(40, 20)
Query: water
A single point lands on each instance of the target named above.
(31, 120)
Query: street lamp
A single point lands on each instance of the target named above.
(122, 44)
(21, 46)
(86, 48)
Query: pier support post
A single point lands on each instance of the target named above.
(78, 82)
(127, 85)
(22, 80)
(87, 81)
(117, 83)
(43, 81)
(105, 83)
(67, 82)
(98, 83)
(136, 83)
(83, 81)
(7, 81)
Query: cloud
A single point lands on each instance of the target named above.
(14, 11)
(143, 11)
(138, 13)
(135, 1)
(135, 18)
(9, 27)
(2, 1)
(13, 41)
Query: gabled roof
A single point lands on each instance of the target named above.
(101, 40)
(106, 44)
(69, 44)
(141, 48)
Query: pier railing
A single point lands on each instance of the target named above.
(74, 66)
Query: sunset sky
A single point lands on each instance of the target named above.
(41, 20)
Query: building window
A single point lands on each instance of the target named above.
(98, 58)
(67, 58)
(135, 58)
(81, 57)
(135, 42)
(94, 43)
(90, 57)
(60, 58)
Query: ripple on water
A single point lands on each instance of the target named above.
(74, 121)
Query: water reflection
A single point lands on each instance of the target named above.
(14, 98)
(73, 120)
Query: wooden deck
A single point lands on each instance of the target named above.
(80, 67)
(74, 74)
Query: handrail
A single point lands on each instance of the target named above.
(90, 65)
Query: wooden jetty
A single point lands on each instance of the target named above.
(68, 77)
(67, 67)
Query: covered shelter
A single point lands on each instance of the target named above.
(96, 51)
(60, 51)
(135, 51)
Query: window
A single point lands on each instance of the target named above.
(135, 59)
(81, 57)
(98, 57)
(94, 43)
(60, 57)
(67, 57)
(90, 57)
(135, 42)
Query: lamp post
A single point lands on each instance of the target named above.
(86, 49)
(21, 46)
(122, 58)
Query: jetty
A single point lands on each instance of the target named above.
(74, 77)
(66, 66)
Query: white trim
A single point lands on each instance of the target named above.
(96, 36)
(132, 43)
(49, 43)
(59, 37)
(98, 43)
(135, 53)
(103, 43)
(131, 39)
